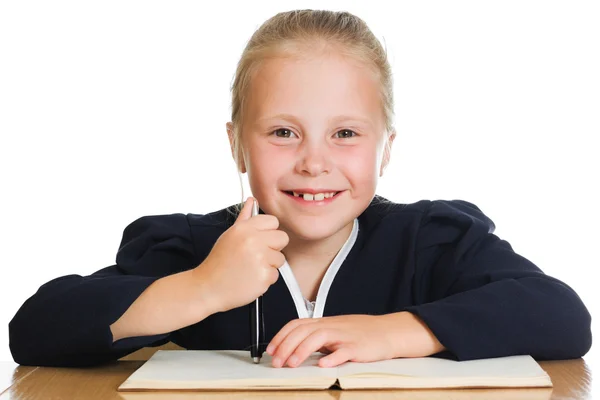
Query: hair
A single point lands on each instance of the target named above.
(301, 34)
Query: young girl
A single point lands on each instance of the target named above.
(341, 270)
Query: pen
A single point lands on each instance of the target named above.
(256, 317)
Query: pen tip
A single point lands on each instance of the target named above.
(256, 360)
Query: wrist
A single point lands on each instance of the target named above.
(410, 336)
(204, 298)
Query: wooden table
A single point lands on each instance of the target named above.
(572, 379)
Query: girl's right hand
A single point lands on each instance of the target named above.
(244, 261)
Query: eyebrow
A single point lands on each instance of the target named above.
(337, 118)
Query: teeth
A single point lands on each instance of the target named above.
(315, 197)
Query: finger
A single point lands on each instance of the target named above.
(316, 340)
(278, 239)
(274, 274)
(283, 332)
(246, 211)
(336, 358)
(275, 259)
(291, 342)
(275, 239)
(267, 274)
(265, 222)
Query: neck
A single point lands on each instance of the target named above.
(315, 254)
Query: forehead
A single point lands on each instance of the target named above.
(318, 87)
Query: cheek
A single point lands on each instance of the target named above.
(271, 156)
(359, 165)
(269, 166)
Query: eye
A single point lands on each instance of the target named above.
(346, 133)
(286, 133)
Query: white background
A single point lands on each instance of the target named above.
(117, 109)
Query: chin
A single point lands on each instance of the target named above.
(311, 231)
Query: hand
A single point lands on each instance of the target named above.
(360, 338)
(244, 261)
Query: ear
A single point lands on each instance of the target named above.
(241, 166)
(387, 150)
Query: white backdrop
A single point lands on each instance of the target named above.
(117, 109)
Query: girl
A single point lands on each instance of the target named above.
(342, 270)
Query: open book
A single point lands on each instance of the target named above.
(234, 370)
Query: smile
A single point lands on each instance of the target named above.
(322, 197)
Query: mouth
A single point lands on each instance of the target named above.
(313, 195)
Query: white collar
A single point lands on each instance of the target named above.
(294, 288)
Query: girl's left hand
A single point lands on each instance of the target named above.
(360, 338)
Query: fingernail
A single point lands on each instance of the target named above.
(277, 362)
(270, 349)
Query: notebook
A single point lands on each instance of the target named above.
(234, 370)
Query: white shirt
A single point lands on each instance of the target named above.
(308, 309)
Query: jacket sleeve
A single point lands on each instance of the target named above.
(483, 300)
(66, 323)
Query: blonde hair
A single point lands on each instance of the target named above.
(296, 34)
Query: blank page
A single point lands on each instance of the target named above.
(223, 368)
(509, 367)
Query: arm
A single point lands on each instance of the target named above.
(473, 296)
(409, 336)
(67, 321)
(483, 300)
(168, 304)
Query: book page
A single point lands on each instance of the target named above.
(195, 369)
(509, 367)
(430, 372)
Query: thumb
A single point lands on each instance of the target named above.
(246, 212)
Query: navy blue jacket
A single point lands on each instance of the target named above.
(437, 259)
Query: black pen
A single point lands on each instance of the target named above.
(257, 330)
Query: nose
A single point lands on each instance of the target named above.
(314, 160)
